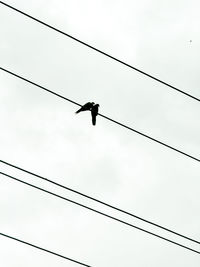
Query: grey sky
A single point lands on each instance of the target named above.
(41, 133)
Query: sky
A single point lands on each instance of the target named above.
(41, 133)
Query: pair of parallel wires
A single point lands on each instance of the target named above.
(123, 125)
(93, 210)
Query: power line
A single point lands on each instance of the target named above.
(43, 249)
(99, 212)
(41, 87)
(99, 51)
(99, 201)
(105, 117)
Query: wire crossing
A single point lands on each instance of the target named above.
(99, 201)
(99, 51)
(105, 117)
(99, 212)
(43, 249)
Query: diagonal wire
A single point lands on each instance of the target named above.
(105, 117)
(101, 52)
(99, 201)
(41, 87)
(101, 213)
(46, 250)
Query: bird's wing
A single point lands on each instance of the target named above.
(86, 106)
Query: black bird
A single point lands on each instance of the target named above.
(94, 113)
(85, 107)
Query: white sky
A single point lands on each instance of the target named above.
(41, 133)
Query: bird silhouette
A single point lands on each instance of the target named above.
(94, 113)
(85, 107)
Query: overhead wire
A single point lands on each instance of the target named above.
(100, 51)
(101, 213)
(105, 117)
(99, 201)
(43, 249)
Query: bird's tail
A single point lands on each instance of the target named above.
(94, 120)
(77, 111)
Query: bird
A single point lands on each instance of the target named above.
(94, 113)
(85, 107)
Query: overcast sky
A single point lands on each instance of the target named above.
(41, 133)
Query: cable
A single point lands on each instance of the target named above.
(105, 117)
(99, 212)
(99, 51)
(99, 201)
(46, 250)
(41, 87)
